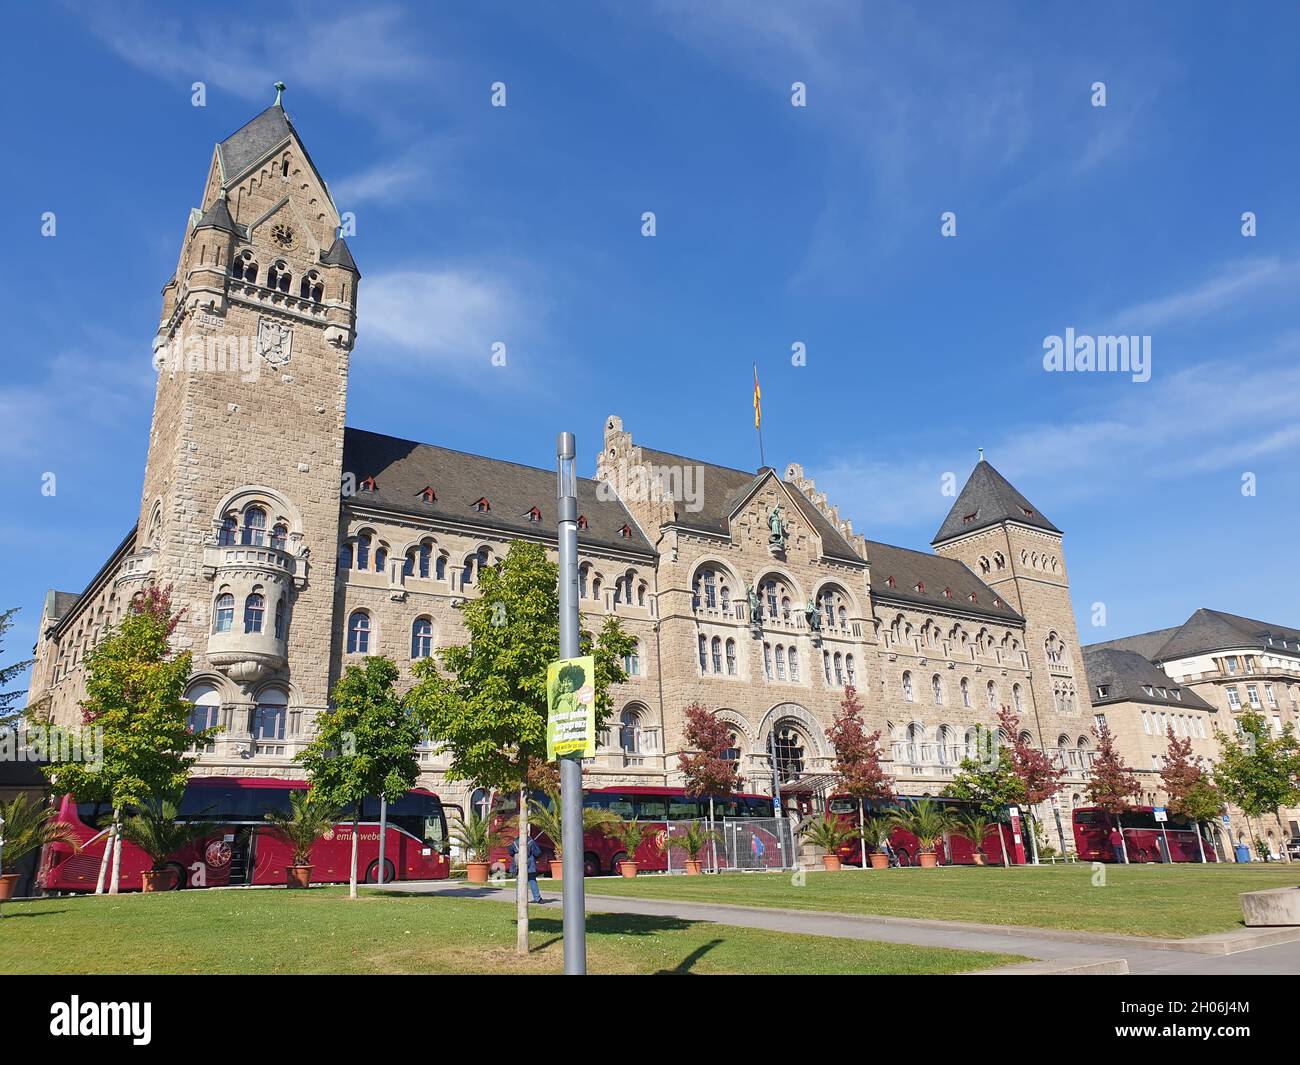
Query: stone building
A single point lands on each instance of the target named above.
(298, 544)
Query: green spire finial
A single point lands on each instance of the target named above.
(981, 454)
(279, 88)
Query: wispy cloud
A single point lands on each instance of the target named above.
(1233, 285)
(422, 171)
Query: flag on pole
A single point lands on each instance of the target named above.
(758, 397)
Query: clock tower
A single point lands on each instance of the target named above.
(240, 508)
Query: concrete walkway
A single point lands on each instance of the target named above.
(1264, 951)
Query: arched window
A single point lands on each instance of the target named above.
(582, 581)
(1015, 697)
(278, 276)
(640, 595)
(780, 661)
(363, 551)
(223, 615)
(731, 658)
(254, 527)
(770, 589)
(381, 559)
(226, 535)
(279, 619)
(632, 660)
(629, 732)
(936, 686)
(345, 556)
(279, 536)
(915, 742)
(947, 745)
(270, 714)
(767, 660)
(596, 584)
(907, 686)
(785, 608)
(794, 664)
(828, 607)
(993, 695)
(312, 288)
(440, 568)
(408, 564)
(206, 702)
(839, 670)
(965, 692)
(421, 638)
(244, 267)
(254, 609)
(481, 802)
(788, 745)
(826, 666)
(704, 654)
(710, 590)
(715, 648)
(358, 633)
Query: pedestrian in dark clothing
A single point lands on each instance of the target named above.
(534, 852)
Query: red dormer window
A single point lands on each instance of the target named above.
(890, 582)
(369, 485)
(482, 505)
(920, 587)
(973, 598)
(1028, 513)
(997, 603)
(428, 494)
(968, 518)
(625, 532)
(534, 514)
(582, 521)
(947, 593)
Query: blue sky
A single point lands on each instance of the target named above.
(775, 225)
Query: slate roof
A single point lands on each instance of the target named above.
(935, 573)
(218, 217)
(987, 499)
(339, 255)
(249, 144)
(1208, 630)
(722, 490)
(402, 470)
(1126, 674)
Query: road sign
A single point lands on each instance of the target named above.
(1161, 813)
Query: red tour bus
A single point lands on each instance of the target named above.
(650, 805)
(1096, 836)
(241, 849)
(953, 851)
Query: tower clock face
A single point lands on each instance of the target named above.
(282, 234)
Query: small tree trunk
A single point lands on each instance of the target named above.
(862, 835)
(1200, 845)
(105, 860)
(1006, 857)
(713, 841)
(1033, 833)
(117, 851)
(1123, 847)
(1281, 838)
(521, 881)
(356, 831)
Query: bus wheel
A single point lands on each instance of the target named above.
(372, 872)
(590, 865)
(903, 858)
(179, 877)
(621, 856)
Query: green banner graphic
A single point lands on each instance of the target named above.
(571, 708)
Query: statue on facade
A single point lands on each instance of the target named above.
(755, 605)
(778, 531)
(814, 618)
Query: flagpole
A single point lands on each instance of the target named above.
(758, 420)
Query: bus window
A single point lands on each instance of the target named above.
(683, 809)
(1089, 817)
(651, 809)
(724, 807)
(761, 808)
(621, 805)
(421, 816)
(842, 806)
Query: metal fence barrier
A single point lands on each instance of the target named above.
(743, 843)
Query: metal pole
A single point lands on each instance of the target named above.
(383, 834)
(776, 793)
(573, 890)
(2, 847)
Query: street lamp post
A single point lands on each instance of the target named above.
(574, 890)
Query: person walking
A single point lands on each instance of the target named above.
(534, 852)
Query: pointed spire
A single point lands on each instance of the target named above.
(988, 499)
(339, 255)
(218, 216)
(279, 91)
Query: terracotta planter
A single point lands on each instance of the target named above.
(879, 861)
(156, 879)
(928, 859)
(477, 872)
(831, 862)
(557, 868)
(694, 867)
(298, 876)
(627, 869)
(977, 858)
(8, 885)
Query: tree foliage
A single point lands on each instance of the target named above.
(1187, 782)
(857, 753)
(991, 781)
(1112, 785)
(1039, 775)
(9, 714)
(703, 762)
(135, 693)
(1258, 770)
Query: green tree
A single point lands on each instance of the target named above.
(365, 744)
(989, 781)
(1259, 771)
(9, 715)
(135, 697)
(485, 701)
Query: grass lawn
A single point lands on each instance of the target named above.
(1168, 901)
(322, 931)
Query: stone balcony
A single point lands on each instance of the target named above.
(260, 561)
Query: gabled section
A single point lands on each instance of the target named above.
(1118, 676)
(918, 578)
(989, 499)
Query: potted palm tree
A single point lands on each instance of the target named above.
(973, 826)
(307, 820)
(549, 820)
(630, 834)
(26, 826)
(476, 837)
(156, 829)
(830, 834)
(927, 821)
(876, 833)
(693, 839)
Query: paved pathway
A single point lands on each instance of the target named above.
(1055, 949)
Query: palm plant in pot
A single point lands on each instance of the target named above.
(158, 831)
(476, 837)
(306, 821)
(974, 826)
(547, 816)
(630, 835)
(876, 833)
(927, 820)
(26, 826)
(693, 839)
(830, 834)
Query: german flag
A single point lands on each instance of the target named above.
(758, 400)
